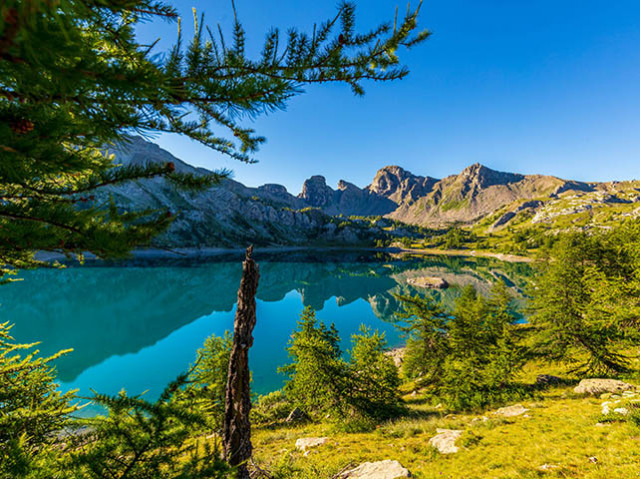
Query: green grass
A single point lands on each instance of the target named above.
(561, 430)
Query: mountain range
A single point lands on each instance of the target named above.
(232, 214)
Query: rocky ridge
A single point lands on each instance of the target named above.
(232, 214)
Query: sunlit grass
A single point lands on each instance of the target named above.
(559, 430)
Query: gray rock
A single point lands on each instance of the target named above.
(596, 387)
(511, 411)
(305, 443)
(386, 469)
(445, 440)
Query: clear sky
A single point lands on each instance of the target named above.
(538, 86)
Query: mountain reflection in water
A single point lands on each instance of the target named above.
(137, 324)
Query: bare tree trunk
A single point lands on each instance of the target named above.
(236, 438)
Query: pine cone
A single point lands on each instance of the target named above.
(22, 127)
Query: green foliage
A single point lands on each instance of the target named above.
(380, 243)
(318, 377)
(585, 303)
(468, 356)
(74, 81)
(271, 408)
(140, 439)
(208, 379)
(424, 323)
(321, 382)
(374, 376)
(32, 410)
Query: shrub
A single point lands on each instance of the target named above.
(317, 375)
(271, 408)
(139, 439)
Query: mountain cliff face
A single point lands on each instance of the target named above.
(232, 214)
(400, 186)
(347, 200)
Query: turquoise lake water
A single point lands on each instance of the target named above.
(137, 325)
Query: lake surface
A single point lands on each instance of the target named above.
(136, 325)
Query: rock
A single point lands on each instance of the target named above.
(428, 282)
(548, 467)
(397, 354)
(621, 410)
(511, 411)
(305, 443)
(386, 469)
(547, 379)
(596, 387)
(593, 459)
(480, 419)
(296, 415)
(445, 440)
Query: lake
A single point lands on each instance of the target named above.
(136, 325)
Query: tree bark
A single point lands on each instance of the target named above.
(236, 438)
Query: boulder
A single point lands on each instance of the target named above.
(305, 443)
(445, 440)
(596, 387)
(386, 469)
(510, 411)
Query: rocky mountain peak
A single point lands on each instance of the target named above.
(481, 176)
(398, 184)
(316, 192)
(345, 185)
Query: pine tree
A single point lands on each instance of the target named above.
(424, 323)
(141, 439)
(32, 410)
(208, 379)
(469, 356)
(317, 375)
(585, 304)
(374, 376)
(74, 81)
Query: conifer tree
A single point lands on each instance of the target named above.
(74, 81)
(317, 375)
(585, 304)
(468, 356)
(32, 410)
(424, 323)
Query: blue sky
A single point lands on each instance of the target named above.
(539, 86)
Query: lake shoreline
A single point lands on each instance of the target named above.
(160, 253)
